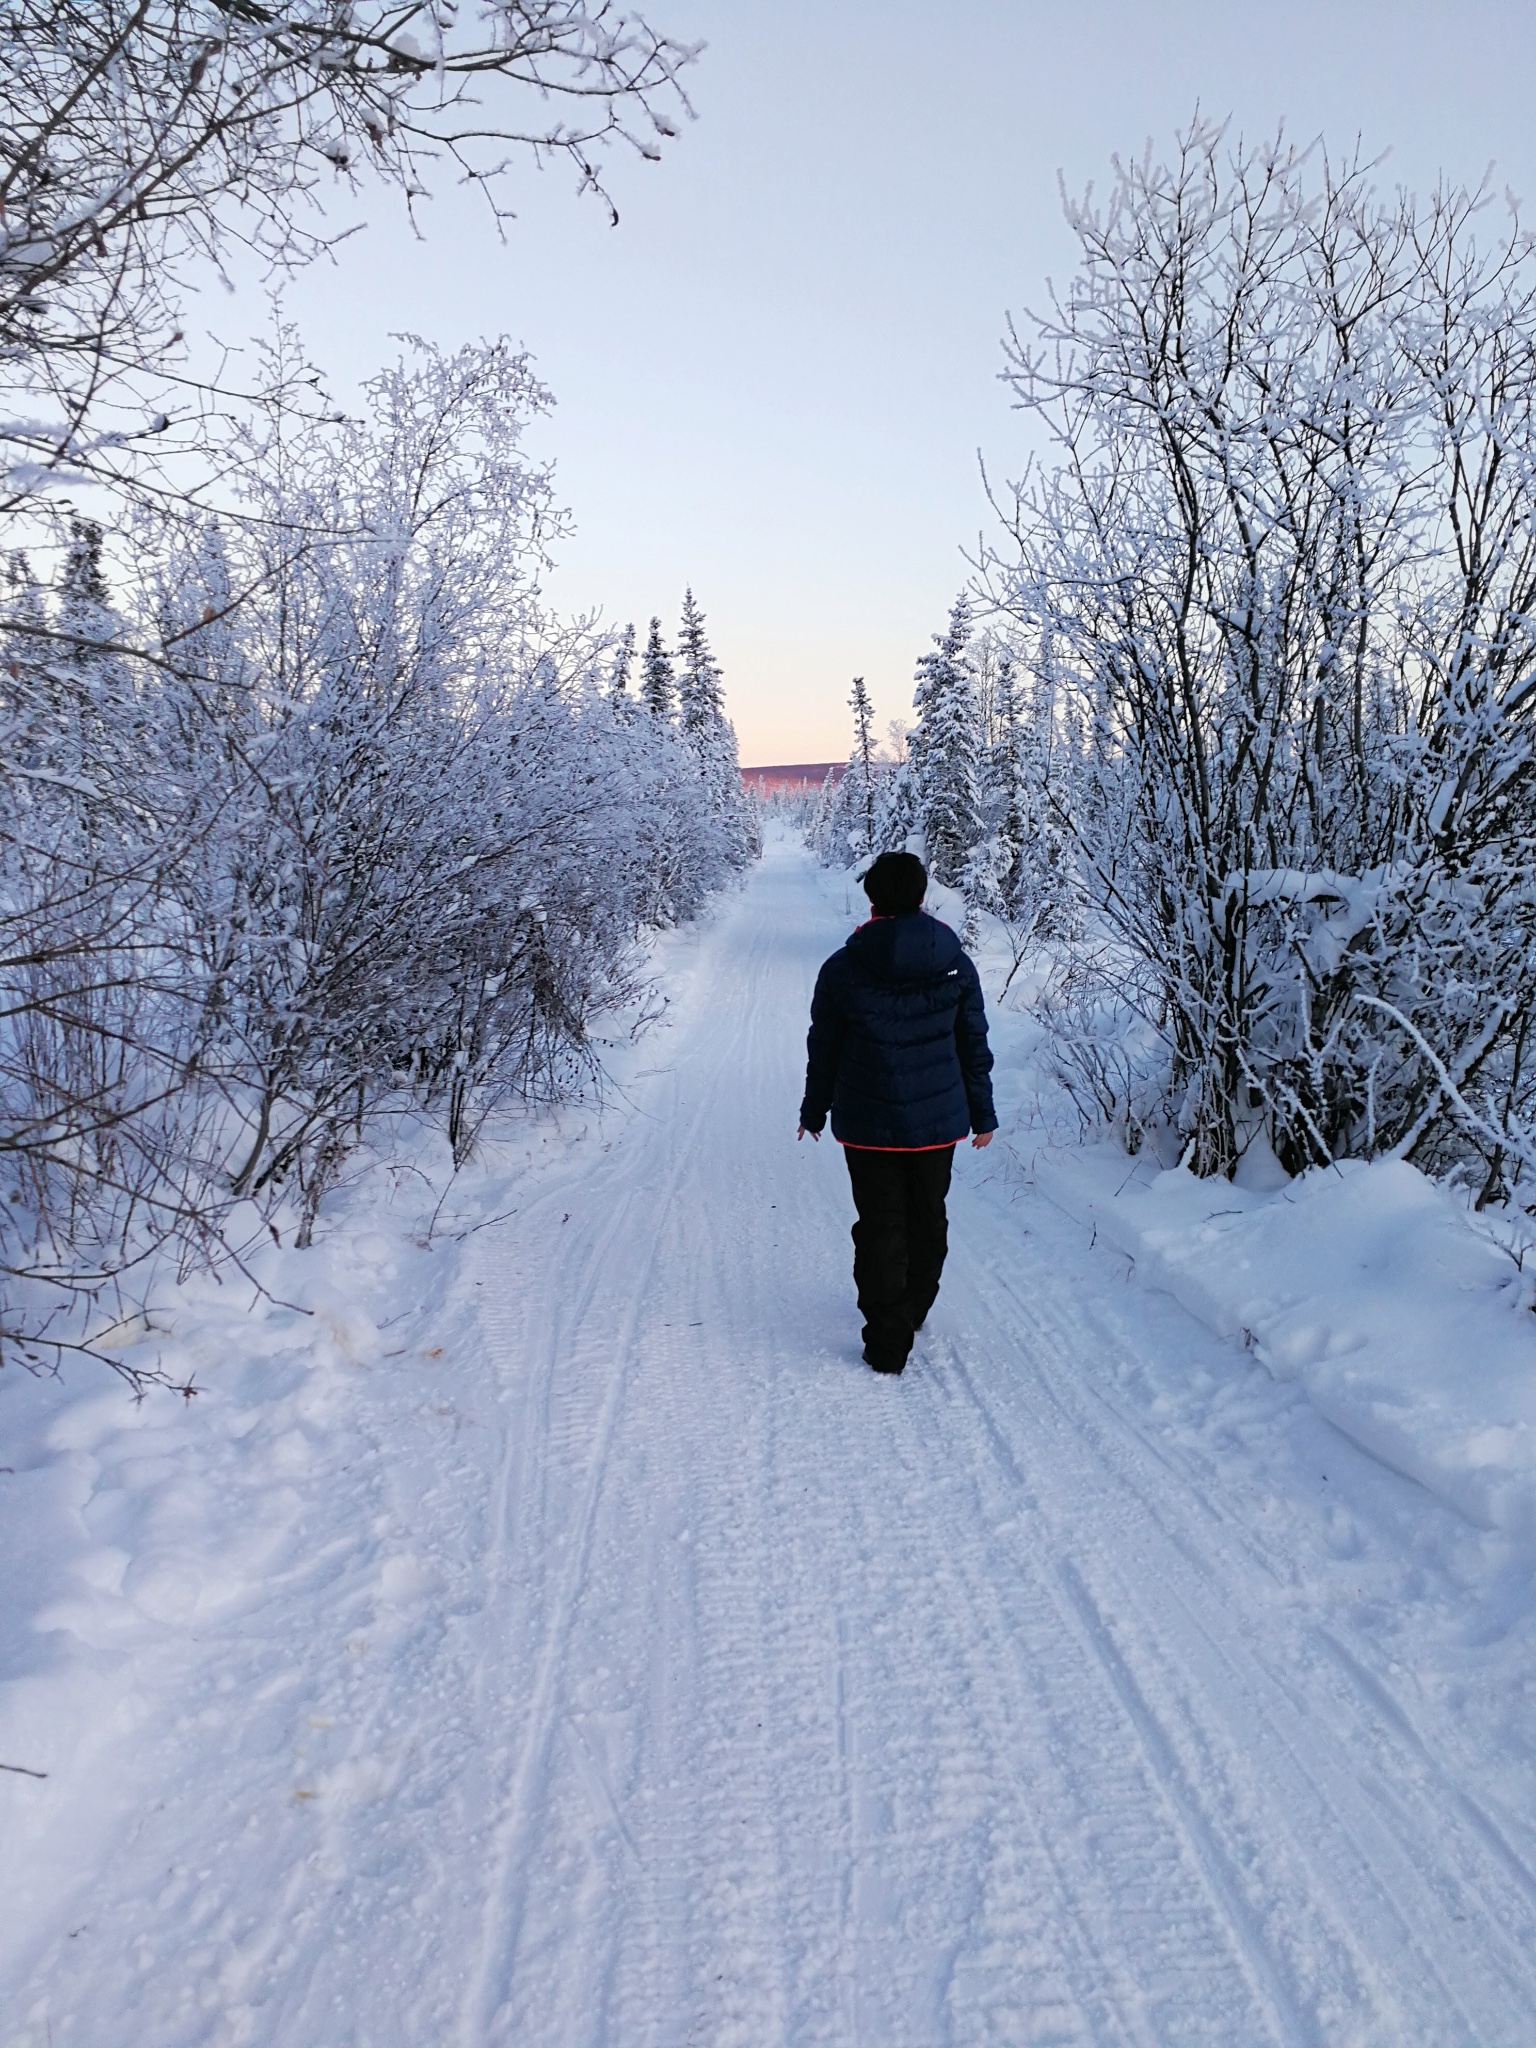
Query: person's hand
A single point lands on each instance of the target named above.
(982, 1138)
(802, 1132)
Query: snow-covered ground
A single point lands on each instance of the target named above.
(548, 1632)
(1407, 1320)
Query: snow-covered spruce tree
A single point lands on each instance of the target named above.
(706, 730)
(700, 699)
(1020, 871)
(844, 839)
(945, 751)
(895, 809)
(850, 830)
(821, 834)
(1285, 569)
(658, 686)
(684, 849)
(861, 777)
(621, 670)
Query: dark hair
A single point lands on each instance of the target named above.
(895, 883)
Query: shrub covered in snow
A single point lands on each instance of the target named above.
(320, 806)
(355, 824)
(1281, 576)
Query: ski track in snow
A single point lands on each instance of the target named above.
(717, 1692)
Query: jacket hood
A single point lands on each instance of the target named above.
(912, 948)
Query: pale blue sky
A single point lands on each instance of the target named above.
(773, 376)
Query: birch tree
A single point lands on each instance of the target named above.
(1280, 564)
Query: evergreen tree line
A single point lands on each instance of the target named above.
(972, 794)
(683, 692)
(313, 813)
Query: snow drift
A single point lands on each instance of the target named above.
(1409, 1327)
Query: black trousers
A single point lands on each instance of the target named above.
(899, 1243)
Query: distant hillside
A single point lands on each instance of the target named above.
(791, 780)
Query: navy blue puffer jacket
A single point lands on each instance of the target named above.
(898, 1042)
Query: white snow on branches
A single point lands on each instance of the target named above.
(1278, 583)
(336, 821)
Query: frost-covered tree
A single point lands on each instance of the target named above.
(1020, 871)
(1283, 574)
(820, 833)
(896, 818)
(366, 829)
(701, 702)
(621, 670)
(945, 750)
(432, 744)
(861, 777)
(144, 137)
(845, 823)
(142, 721)
(658, 686)
(706, 731)
(851, 829)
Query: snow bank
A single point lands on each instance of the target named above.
(166, 1559)
(154, 1547)
(1404, 1318)
(1409, 1328)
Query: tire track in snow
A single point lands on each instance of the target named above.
(1350, 1858)
(1283, 2015)
(783, 1706)
(1001, 1810)
(650, 1186)
(1027, 1952)
(1094, 1805)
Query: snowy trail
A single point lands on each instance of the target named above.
(1056, 1692)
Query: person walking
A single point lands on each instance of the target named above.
(898, 1054)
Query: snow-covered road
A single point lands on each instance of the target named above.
(1080, 1686)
